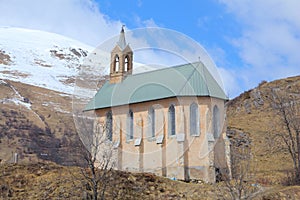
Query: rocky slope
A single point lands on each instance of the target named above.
(251, 117)
(36, 123)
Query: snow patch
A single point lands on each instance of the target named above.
(46, 58)
(19, 102)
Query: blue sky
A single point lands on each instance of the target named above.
(207, 22)
(227, 29)
(249, 40)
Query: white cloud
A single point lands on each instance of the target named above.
(150, 23)
(270, 38)
(203, 21)
(139, 22)
(139, 3)
(81, 20)
(78, 19)
(228, 76)
(231, 85)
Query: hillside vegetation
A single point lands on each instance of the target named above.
(37, 124)
(251, 115)
(51, 181)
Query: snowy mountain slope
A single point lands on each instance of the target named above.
(52, 61)
(37, 122)
(40, 58)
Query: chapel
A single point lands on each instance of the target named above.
(169, 121)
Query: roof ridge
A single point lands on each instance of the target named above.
(205, 79)
(166, 68)
(190, 76)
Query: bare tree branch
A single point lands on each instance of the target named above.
(98, 156)
(286, 106)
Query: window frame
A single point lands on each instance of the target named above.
(216, 122)
(117, 63)
(130, 128)
(109, 125)
(151, 117)
(126, 63)
(172, 120)
(194, 120)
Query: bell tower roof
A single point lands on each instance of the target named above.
(122, 41)
(121, 60)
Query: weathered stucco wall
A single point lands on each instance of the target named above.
(181, 156)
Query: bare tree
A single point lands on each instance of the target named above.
(241, 185)
(98, 158)
(286, 105)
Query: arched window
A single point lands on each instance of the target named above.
(130, 125)
(109, 125)
(152, 122)
(171, 120)
(216, 122)
(117, 64)
(126, 66)
(194, 119)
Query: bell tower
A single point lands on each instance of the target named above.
(121, 60)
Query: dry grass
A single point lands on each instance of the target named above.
(51, 181)
(46, 131)
(251, 113)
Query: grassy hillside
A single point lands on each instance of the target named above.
(252, 115)
(37, 124)
(51, 181)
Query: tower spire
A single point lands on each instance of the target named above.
(121, 60)
(122, 40)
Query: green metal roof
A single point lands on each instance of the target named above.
(191, 79)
